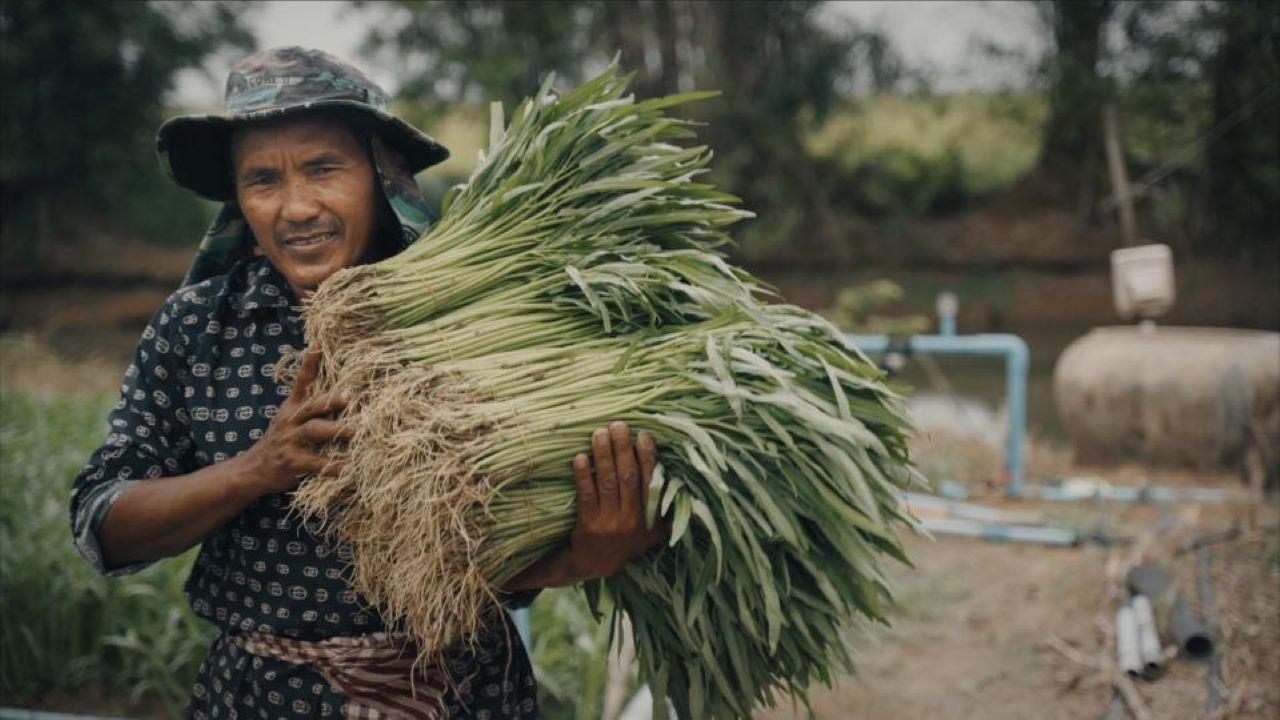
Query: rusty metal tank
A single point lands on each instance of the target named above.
(1189, 396)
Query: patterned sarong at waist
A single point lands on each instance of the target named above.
(374, 671)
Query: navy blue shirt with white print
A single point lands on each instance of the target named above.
(201, 390)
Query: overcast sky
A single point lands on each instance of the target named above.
(937, 35)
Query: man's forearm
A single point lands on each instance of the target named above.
(551, 571)
(165, 516)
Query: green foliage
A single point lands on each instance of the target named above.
(856, 310)
(572, 280)
(569, 656)
(779, 65)
(928, 154)
(62, 625)
(1244, 162)
(84, 91)
(499, 50)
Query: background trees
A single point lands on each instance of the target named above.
(84, 90)
(822, 126)
(1179, 74)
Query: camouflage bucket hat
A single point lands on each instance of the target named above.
(195, 149)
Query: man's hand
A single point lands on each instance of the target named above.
(613, 491)
(158, 519)
(611, 500)
(292, 444)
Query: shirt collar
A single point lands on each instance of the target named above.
(264, 287)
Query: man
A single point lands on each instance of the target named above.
(205, 446)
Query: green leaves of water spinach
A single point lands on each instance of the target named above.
(576, 278)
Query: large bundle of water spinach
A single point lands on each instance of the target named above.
(574, 279)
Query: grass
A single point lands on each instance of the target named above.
(924, 154)
(131, 643)
(62, 626)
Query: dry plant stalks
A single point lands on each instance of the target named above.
(1107, 669)
(406, 420)
(402, 497)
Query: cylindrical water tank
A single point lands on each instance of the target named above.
(1170, 395)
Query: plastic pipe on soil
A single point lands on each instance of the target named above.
(1042, 534)
(1216, 690)
(922, 504)
(1128, 652)
(1189, 630)
(1148, 639)
(1071, 489)
(1148, 580)
(1152, 582)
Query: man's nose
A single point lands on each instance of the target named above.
(300, 203)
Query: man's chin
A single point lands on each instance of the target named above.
(306, 280)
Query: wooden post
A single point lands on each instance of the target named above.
(1121, 192)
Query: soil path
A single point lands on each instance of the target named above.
(970, 640)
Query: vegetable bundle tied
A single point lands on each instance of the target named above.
(574, 279)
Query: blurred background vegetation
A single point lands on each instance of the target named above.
(857, 164)
(839, 145)
(826, 131)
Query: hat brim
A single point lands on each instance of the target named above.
(196, 149)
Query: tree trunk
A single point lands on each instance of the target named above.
(1071, 154)
(668, 36)
(1244, 193)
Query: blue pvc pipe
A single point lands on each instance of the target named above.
(1017, 364)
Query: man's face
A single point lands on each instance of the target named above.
(306, 187)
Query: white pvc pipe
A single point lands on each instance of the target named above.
(1148, 638)
(1128, 652)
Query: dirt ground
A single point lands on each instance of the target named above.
(998, 630)
(984, 630)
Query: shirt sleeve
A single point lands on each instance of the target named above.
(149, 436)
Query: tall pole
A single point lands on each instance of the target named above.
(1121, 192)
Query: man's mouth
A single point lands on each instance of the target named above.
(308, 240)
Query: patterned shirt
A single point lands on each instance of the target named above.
(199, 391)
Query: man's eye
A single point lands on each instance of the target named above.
(324, 169)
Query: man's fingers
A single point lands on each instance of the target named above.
(317, 463)
(306, 373)
(319, 430)
(647, 453)
(310, 464)
(627, 469)
(606, 477)
(588, 501)
(322, 406)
